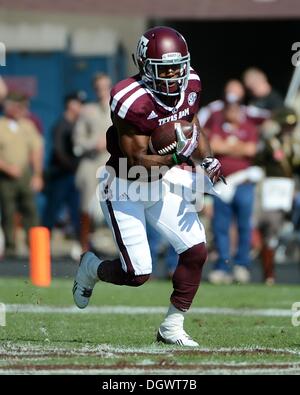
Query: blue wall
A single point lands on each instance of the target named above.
(57, 74)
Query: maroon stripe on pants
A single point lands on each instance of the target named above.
(121, 246)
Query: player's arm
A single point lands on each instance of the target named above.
(204, 149)
(135, 147)
(211, 165)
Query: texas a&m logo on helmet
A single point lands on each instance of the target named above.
(142, 47)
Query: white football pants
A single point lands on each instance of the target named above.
(126, 213)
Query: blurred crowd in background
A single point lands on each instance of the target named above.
(254, 135)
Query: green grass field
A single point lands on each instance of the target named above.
(240, 329)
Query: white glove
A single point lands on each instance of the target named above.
(213, 169)
(185, 147)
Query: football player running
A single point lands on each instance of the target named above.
(165, 89)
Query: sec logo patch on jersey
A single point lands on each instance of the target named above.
(192, 97)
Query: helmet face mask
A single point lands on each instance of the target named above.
(164, 61)
(172, 86)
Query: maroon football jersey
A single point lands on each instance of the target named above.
(245, 132)
(133, 102)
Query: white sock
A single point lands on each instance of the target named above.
(174, 319)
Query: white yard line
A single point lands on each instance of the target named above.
(21, 350)
(14, 352)
(38, 309)
(136, 370)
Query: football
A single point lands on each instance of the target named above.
(163, 139)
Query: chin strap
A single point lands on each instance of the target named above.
(134, 59)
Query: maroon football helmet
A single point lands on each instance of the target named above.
(159, 49)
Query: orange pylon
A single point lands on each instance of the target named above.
(40, 256)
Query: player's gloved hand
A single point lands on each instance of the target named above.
(213, 169)
(185, 147)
